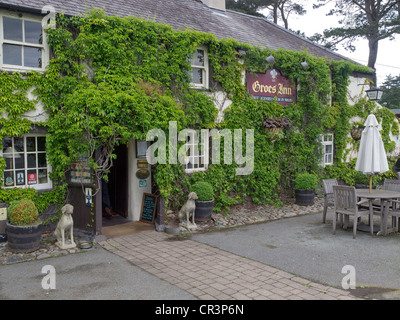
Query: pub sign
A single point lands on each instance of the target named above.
(270, 85)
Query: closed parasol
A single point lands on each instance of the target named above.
(371, 158)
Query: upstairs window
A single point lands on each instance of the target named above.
(23, 44)
(199, 72)
(327, 151)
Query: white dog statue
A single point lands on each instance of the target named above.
(188, 210)
(64, 227)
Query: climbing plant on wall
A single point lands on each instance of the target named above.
(112, 79)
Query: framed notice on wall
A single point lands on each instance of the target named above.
(149, 204)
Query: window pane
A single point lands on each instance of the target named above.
(197, 76)
(33, 32)
(41, 143)
(198, 58)
(32, 57)
(9, 163)
(20, 178)
(12, 29)
(19, 161)
(31, 160)
(12, 54)
(9, 178)
(19, 144)
(7, 142)
(328, 148)
(30, 144)
(42, 160)
(32, 177)
(42, 176)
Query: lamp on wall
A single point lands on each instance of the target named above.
(304, 64)
(374, 94)
(270, 59)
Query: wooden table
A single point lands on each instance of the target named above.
(384, 196)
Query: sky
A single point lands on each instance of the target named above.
(316, 21)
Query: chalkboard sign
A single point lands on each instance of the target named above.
(149, 204)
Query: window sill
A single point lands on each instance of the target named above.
(189, 171)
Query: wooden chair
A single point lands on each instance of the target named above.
(394, 211)
(345, 201)
(328, 195)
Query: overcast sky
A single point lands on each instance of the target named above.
(316, 21)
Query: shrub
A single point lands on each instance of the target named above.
(306, 181)
(204, 191)
(22, 212)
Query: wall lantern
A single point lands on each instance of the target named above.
(304, 64)
(374, 94)
(270, 59)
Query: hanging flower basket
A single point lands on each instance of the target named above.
(273, 127)
(356, 133)
(273, 134)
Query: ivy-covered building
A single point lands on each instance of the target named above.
(83, 84)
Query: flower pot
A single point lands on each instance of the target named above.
(305, 197)
(23, 238)
(204, 210)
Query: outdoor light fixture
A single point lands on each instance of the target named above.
(271, 59)
(304, 64)
(374, 94)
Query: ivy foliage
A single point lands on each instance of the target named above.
(112, 79)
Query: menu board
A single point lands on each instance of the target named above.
(149, 203)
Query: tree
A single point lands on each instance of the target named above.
(373, 20)
(391, 92)
(280, 9)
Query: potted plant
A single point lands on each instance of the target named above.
(205, 201)
(24, 228)
(305, 185)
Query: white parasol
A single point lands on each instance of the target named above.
(371, 154)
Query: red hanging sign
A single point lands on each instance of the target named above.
(271, 85)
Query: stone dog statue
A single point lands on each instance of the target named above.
(188, 210)
(64, 228)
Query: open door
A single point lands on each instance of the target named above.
(118, 181)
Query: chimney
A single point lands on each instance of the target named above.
(215, 4)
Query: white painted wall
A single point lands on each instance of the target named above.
(135, 194)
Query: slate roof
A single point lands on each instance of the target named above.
(192, 14)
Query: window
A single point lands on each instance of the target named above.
(26, 163)
(23, 43)
(327, 145)
(199, 72)
(196, 158)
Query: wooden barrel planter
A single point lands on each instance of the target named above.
(204, 210)
(305, 197)
(23, 238)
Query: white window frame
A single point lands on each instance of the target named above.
(37, 185)
(44, 46)
(204, 69)
(196, 156)
(327, 139)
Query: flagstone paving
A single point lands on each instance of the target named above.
(211, 273)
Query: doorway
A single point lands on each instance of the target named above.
(118, 187)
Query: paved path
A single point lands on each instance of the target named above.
(211, 273)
